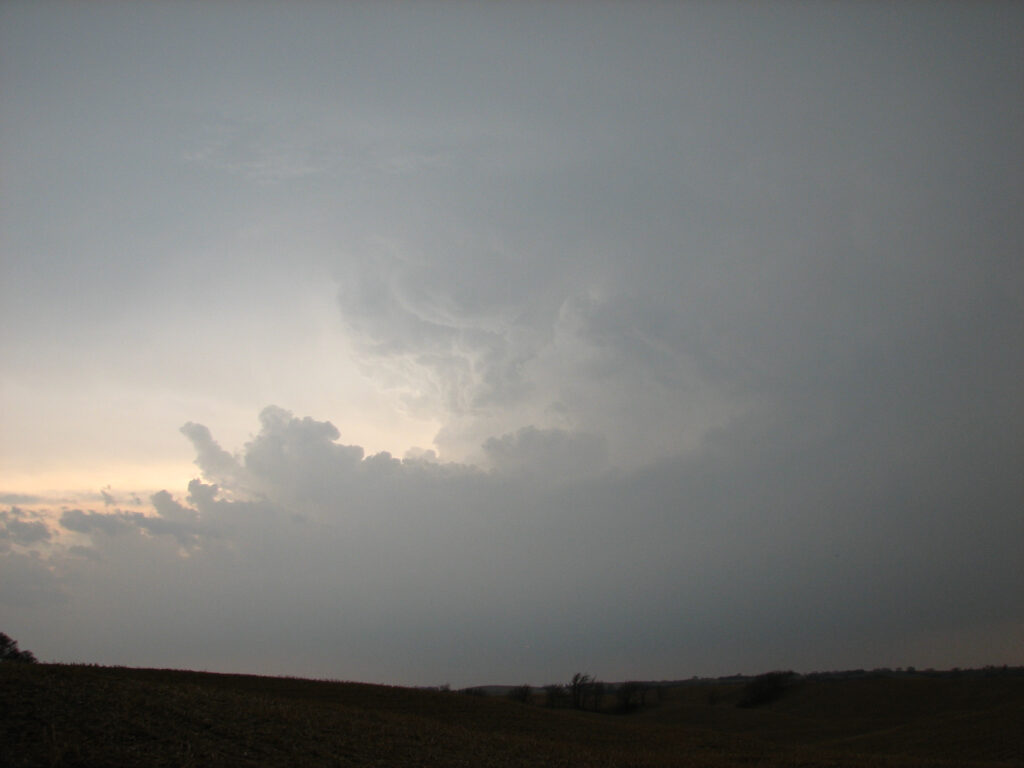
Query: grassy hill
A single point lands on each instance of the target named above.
(58, 715)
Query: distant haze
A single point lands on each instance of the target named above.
(492, 342)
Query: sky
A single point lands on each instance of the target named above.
(491, 342)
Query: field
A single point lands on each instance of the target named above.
(59, 715)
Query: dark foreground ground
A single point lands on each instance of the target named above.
(57, 715)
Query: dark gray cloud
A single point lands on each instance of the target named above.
(546, 453)
(773, 230)
(22, 528)
(172, 519)
(81, 521)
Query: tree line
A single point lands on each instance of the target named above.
(586, 692)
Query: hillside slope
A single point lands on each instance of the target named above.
(60, 715)
(966, 718)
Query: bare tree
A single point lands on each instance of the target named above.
(578, 688)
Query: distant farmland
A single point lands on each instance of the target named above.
(59, 715)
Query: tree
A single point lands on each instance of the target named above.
(9, 651)
(631, 695)
(766, 688)
(521, 693)
(555, 695)
(578, 687)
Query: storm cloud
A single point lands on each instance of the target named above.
(512, 341)
(765, 548)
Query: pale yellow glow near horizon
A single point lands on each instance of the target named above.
(122, 430)
(77, 484)
(72, 480)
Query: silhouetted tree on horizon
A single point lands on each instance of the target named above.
(555, 695)
(9, 651)
(766, 688)
(521, 693)
(631, 695)
(578, 689)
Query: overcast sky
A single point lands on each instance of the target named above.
(493, 342)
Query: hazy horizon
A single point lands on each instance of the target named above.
(492, 342)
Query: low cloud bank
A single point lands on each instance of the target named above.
(301, 555)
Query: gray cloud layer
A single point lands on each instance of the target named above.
(718, 308)
(773, 231)
(770, 548)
